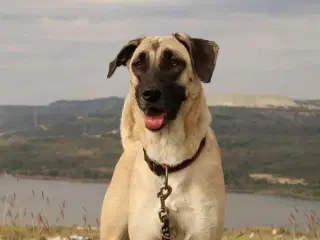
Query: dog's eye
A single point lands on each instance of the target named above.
(138, 64)
(140, 61)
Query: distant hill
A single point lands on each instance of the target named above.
(259, 101)
(80, 139)
(95, 116)
(313, 104)
(21, 118)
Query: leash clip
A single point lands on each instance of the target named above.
(163, 194)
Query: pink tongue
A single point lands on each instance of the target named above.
(154, 122)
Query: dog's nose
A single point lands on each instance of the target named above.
(151, 95)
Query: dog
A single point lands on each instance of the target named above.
(165, 129)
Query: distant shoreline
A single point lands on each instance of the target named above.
(65, 179)
(263, 192)
(107, 181)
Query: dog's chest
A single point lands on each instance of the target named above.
(188, 211)
(180, 198)
(192, 209)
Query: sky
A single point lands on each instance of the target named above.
(61, 49)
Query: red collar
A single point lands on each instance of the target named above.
(159, 169)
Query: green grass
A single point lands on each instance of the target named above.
(94, 159)
(282, 142)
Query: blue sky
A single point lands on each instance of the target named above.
(61, 49)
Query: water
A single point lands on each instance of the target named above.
(84, 199)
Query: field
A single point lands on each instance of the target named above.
(80, 140)
(55, 233)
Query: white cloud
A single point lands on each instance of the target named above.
(61, 49)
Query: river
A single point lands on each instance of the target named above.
(74, 203)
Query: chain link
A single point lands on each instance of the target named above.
(163, 194)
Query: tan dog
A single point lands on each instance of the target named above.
(165, 122)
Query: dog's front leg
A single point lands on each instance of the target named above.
(114, 214)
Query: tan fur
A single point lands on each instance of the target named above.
(197, 201)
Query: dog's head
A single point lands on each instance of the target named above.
(166, 72)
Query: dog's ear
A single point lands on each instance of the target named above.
(203, 54)
(124, 55)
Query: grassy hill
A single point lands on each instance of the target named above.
(22, 118)
(80, 139)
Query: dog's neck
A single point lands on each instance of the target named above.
(175, 142)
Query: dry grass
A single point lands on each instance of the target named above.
(39, 228)
(269, 233)
(12, 226)
(259, 233)
(29, 232)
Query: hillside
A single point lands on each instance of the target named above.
(80, 139)
(21, 118)
(250, 100)
(313, 104)
(260, 101)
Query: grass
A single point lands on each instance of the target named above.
(282, 142)
(29, 232)
(13, 226)
(301, 224)
(253, 233)
(40, 228)
(94, 159)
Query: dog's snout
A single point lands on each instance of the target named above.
(151, 95)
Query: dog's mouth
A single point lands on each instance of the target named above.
(154, 119)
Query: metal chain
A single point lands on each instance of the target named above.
(163, 194)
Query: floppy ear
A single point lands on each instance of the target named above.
(124, 55)
(203, 55)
